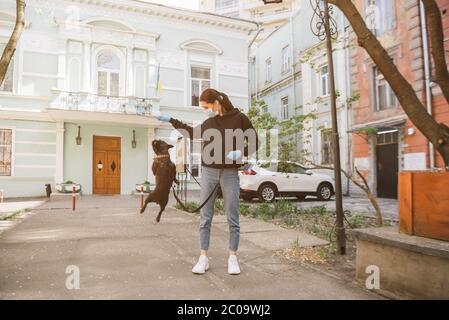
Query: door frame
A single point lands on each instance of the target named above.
(93, 160)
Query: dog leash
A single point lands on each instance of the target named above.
(204, 203)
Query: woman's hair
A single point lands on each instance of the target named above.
(212, 95)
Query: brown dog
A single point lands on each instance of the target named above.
(165, 172)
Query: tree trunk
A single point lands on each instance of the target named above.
(437, 134)
(433, 15)
(10, 48)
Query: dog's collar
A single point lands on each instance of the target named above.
(162, 156)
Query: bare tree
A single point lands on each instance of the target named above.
(362, 185)
(436, 133)
(10, 48)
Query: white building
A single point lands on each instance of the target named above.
(270, 16)
(88, 70)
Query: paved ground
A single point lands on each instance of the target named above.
(124, 255)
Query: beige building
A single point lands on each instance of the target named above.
(269, 16)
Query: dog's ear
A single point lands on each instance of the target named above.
(169, 146)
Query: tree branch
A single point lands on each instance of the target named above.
(436, 33)
(10, 48)
(365, 188)
(403, 90)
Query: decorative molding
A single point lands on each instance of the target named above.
(201, 45)
(110, 9)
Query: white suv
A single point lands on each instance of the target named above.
(282, 178)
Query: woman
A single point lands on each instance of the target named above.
(222, 169)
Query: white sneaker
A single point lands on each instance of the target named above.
(202, 265)
(233, 265)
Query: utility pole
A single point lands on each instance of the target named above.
(326, 29)
(341, 237)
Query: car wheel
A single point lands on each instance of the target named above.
(325, 192)
(267, 193)
(301, 197)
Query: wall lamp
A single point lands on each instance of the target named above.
(78, 138)
(134, 142)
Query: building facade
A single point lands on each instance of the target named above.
(87, 79)
(270, 16)
(289, 72)
(385, 140)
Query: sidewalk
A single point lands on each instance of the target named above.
(124, 255)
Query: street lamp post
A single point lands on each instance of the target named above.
(325, 28)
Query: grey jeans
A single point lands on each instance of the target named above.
(230, 187)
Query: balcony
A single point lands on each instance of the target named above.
(80, 101)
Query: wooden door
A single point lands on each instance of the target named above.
(387, 171)
(106, 165)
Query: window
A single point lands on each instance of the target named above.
(324, 80)
(388, 137)
(326, 147)
(285, 59)
(380, 16)
(284, 108)
(383, 95)
(108, 74)
(268, 74)
(7, 85)
(5, 152)
(223, 4)
(200, 81)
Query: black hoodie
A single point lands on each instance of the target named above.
(234, 120)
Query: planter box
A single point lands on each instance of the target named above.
(68, 187)
(424, 204)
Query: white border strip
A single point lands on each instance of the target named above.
(35, 142)
(35, 167)
(36, 154)
(36, 130)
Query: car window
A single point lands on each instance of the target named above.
(299, 169)
(286, 167)
(270, 166)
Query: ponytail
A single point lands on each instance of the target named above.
(211, 95)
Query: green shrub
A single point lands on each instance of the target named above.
(245, 209)
(219, 206)
(190, 206)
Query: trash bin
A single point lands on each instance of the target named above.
(48, 189)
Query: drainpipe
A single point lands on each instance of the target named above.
(259, 29)
(427, 74)
(348, 93)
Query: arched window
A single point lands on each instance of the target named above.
(108, 73)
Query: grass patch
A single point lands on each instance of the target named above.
(190, 206)
(14, 215)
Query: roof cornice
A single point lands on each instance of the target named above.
(166, 12)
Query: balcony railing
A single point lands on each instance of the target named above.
(80, 101)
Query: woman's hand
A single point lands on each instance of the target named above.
(234, 155)
(163, 117)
